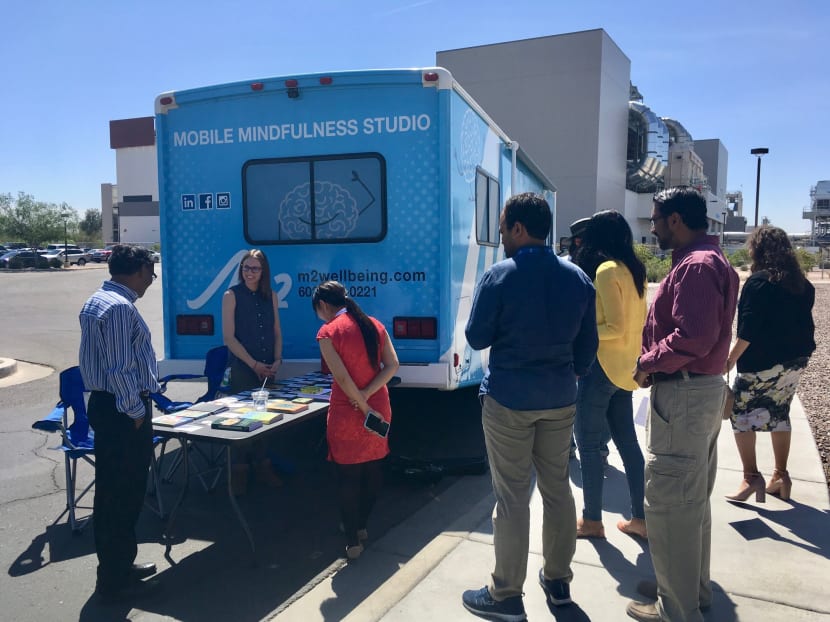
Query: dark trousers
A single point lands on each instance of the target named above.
(122, 459)
(358, 486)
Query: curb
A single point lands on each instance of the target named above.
(7, 367)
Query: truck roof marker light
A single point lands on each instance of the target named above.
(291, 89)
(257, 86)
(325, 80)
(431, 77)
(166, 101)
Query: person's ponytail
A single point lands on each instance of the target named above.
(334, 294)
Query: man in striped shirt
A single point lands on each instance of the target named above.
(685, 343)
(118, 366)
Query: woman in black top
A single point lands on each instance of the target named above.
(251, 324)
(251, 330)
(775, 341)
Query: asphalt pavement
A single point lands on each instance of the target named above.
(430, 540)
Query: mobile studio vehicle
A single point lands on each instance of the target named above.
(389, 181)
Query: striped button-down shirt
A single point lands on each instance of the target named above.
(116, 352)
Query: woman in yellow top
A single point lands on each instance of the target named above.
(607, 257)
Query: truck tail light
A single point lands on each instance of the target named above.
(415, 328)
(194, 325)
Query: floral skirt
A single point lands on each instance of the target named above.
(763, 398)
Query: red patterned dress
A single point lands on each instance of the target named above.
(349, 442)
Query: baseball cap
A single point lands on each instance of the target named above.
(578, 227)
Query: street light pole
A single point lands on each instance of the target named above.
(758, 151)
(65, 244)
(723, 230)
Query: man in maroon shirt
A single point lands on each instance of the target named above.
(685, 344)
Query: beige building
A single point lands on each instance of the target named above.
(130, 207)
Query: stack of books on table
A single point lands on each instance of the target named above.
(171, 421)
(191, 413)
(248, 412)
(286, 406)
(236, 424)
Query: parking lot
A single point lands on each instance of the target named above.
(208, 573)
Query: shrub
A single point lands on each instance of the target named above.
(806, 260)
(656, 268)
(740, 258)
(54, 262)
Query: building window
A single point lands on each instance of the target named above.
(347, 204)
(138, 198)
(487, 208)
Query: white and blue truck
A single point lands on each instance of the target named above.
(389, 181)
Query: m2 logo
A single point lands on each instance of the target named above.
(283, 283)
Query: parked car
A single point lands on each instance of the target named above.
(54, 248)
(100, 254)
(156, 256)
(75, 255)
(25, 258)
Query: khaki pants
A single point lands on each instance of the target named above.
(681, 462)
(517, 441)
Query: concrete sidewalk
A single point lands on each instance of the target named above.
(770, 561)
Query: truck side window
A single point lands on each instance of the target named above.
(487, 208)
(315, 200)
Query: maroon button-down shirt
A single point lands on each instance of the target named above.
(689, 325)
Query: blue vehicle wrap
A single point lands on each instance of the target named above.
(389, 181)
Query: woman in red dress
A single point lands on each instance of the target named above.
(362, 359)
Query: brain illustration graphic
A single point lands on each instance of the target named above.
(336, 212)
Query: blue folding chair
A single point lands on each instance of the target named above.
(78, 443)
(77, 439)
(216, 362)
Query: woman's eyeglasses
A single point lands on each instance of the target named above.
(253, 269)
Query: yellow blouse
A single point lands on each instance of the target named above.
(621, 315)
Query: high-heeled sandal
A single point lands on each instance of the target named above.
(781, 485)
(753, 482)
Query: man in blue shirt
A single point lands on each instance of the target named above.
(536, 313)
(118, 366)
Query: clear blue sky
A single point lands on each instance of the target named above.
(752, 73)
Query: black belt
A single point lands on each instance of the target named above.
(144, 395)
(682, 374)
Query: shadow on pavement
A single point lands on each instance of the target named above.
(211, 574)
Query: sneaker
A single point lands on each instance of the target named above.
(557, 590)
(482, 604)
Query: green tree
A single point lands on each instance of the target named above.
(35, 222)
(91, 223)
(89, 229)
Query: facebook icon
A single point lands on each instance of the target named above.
(188, 201)
(206, 200)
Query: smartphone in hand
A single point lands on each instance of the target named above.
(375, 423)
